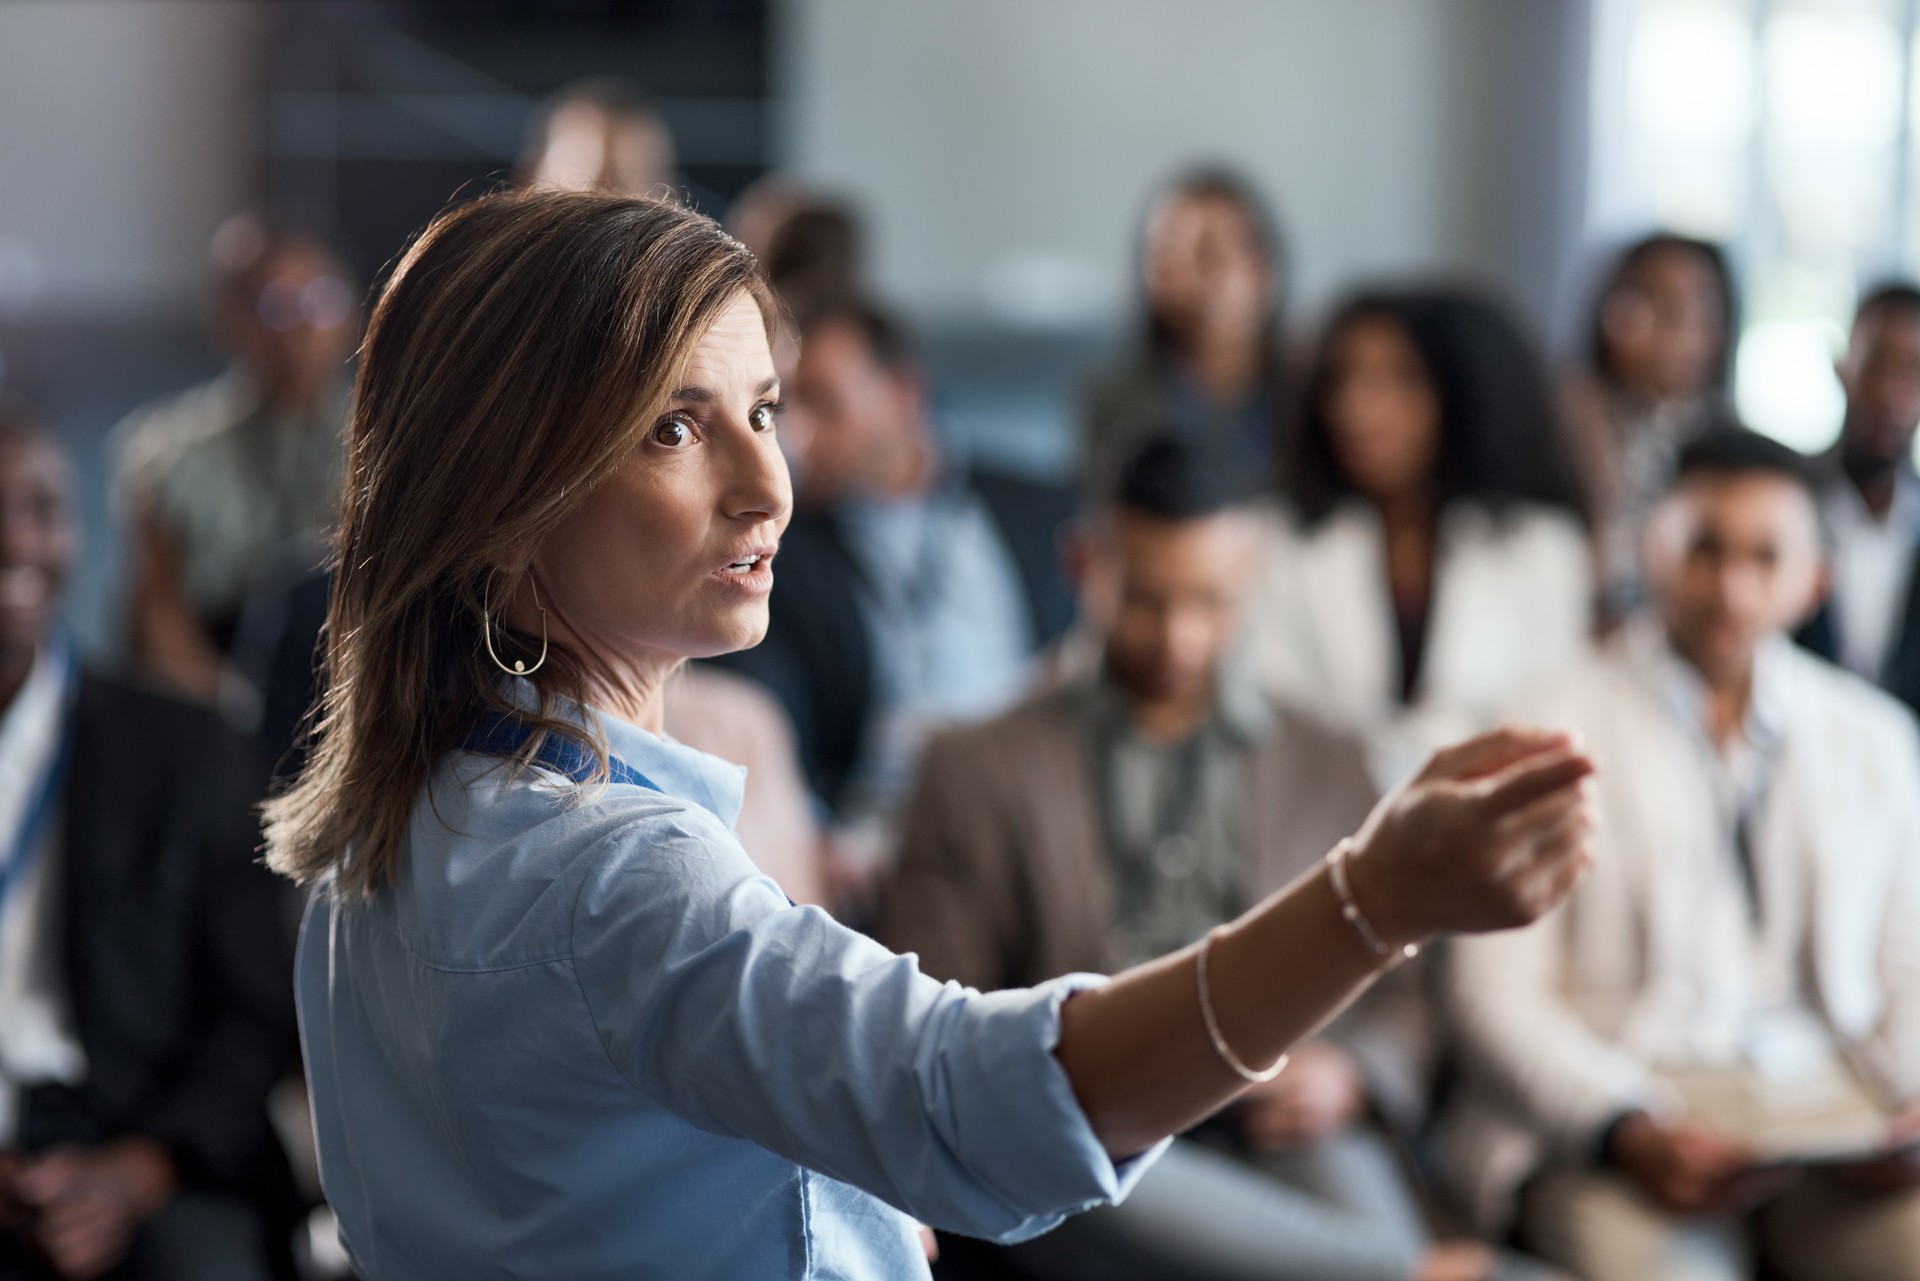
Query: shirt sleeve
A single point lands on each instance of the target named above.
(748, 1017)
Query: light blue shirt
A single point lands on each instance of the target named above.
(583, 1037)
(952, 636)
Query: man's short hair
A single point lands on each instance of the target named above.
(886, 338)
(1890, 297)
(1173, 477)
(1734, 452)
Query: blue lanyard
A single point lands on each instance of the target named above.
(498, 735)
(30, 837)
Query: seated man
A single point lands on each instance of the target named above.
(1870, 623)
(912, 590)
(145, 996)
(1735, 988)
(1149, 795)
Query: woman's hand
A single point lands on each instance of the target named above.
(1492, 834)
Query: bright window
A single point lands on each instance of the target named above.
(1786, 129)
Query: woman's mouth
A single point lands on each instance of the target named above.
(752, 574)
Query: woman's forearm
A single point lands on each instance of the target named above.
(1490, 835)
(1137, 1049)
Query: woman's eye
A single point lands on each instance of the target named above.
(672, 433)
(764, 417)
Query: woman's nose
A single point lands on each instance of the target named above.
(760, 487)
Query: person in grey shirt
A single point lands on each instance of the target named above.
(230, 486)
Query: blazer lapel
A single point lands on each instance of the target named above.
(1350, 612)
(1076, 896)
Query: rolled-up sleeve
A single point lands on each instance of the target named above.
(749, 1017)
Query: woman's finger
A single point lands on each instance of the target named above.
(1526, 780)
(1491, 752)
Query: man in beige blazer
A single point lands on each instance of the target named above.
(1736, 985)
(1144, 796)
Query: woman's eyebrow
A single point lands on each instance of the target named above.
(706, 395)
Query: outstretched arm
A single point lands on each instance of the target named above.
(1491, 835)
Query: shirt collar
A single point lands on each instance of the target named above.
(680, 772)
(1684, 691)
(1241, 709)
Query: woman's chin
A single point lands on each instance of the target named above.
(738, 629)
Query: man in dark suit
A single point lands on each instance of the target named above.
(910, 590)
(145, 1005)
(1871, 500)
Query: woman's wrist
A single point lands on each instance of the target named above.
(1368, 898)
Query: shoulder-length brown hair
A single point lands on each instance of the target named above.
(514, 360)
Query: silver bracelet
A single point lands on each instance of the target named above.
(1220, 1046)
(1350, 909)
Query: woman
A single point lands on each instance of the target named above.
(1660, 353)
(555, 1022)
(1431, 564)
(1211, 269)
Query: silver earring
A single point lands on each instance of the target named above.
(519, 667)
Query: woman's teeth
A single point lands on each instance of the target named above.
(744, 566)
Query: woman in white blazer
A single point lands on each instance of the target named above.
(1428, 563)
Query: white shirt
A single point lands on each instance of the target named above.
(1872, 568)
(1510, 609)
(1737, 994)
(37, 1041)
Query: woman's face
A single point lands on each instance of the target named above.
(672, 557)
(1205, 269)
(1382, 411)
(1663, 326)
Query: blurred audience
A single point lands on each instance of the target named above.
(1430, 563)
(1735, 988)
(230, 485)
(600, 134)
(145, 1005)
(811, 246)
(1660, 356)
(1212, 274)
(1870, 623)
(1149, 793)
(911, 589)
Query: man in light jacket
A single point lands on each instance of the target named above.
(1712, 1052)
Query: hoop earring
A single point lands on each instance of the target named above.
(519, 667)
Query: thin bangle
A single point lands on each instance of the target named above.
(1220, 1046)
(1350, 907)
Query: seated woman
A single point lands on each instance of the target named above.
(556, 1022)
(1659, 359)
(1430, 563)
(1212, 274)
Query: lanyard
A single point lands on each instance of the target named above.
(1748, 801)
(498, 735)
(29, 838)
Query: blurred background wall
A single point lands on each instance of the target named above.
(1003, 146)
